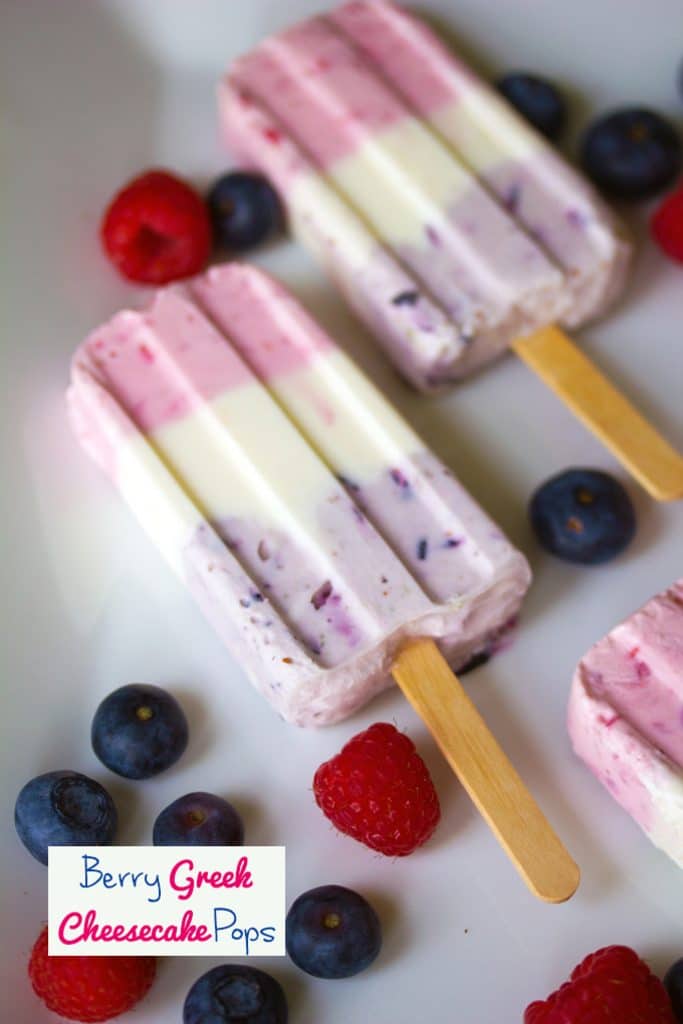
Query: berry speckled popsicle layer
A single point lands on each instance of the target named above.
(449, 224)
(311, 524)
(626, 716)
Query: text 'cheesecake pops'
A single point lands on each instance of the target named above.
(626, 716)
(317, 532)
(452, 228)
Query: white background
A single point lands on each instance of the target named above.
(95, 92)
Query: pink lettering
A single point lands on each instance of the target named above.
(185, 888)
(185, 884)
(75, 928)
(71, 921)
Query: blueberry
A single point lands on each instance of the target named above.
(244, 210)
(64, 809)
(631, 154)
(234, 992)
(198, 819)
(583, 515)
(332, 932)
(537, 100)
(673, 983)
(139, 730)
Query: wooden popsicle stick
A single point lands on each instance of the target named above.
(654, 463)
(494, 786)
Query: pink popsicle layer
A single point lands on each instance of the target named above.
(271, 336)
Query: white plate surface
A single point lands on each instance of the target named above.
(93, 93)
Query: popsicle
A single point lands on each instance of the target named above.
(452, 228)
(626, 717)
(324, 542)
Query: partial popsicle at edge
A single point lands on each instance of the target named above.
(450, 226)
(318, 534)
(625, 716)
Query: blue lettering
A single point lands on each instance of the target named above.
(153, 882)
(93, 875)
(217, 917)
(90, 868)
(250, 934)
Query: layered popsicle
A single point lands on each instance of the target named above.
(314, 528)
(626, 716)
(449, 224)
(453, 229)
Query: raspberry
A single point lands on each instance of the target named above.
(157, 229)
(378, 790)
(89, 988)
(667, 225)
(612, 984)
